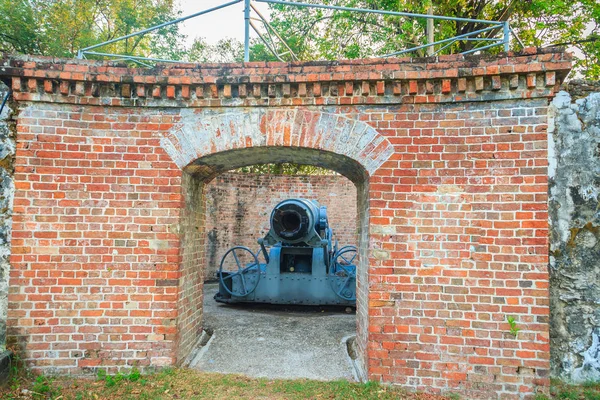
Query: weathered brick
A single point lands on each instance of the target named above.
(105, 209)
(365, 88)
(531, 80)
(478, 83)
(140, 90)
(242, 90)
(256, 90)
(126, 90)
(316, 89)
(48, 86)
(302, 89)
(413, 87)
(200, 92)
(496, 82)
(185, 91)
(227, 91)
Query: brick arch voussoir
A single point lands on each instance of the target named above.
(204, 132)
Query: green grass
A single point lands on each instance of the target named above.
(190, 384)
(565, 391)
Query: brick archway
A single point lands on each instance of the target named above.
(204, 132)
(455, 211)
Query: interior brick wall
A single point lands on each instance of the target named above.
(239, 205)
(190, 295)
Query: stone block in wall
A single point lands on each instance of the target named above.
(7, 153)
(574, 172)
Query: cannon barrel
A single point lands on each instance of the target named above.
(298, 221)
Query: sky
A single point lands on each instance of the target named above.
(226, 22)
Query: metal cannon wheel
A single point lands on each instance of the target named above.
(344, 267)
(247, 277)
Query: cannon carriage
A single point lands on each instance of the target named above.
(301, 263)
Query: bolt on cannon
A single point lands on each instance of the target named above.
(301, 266)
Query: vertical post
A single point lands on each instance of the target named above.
(506, 36)
(430, 35)
(246, 30)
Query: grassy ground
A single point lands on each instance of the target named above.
(560, 390)
(189, 384)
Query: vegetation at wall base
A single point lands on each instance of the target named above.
(564, 391)
(191, 384)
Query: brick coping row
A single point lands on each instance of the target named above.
(532, 73)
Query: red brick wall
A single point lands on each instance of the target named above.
(95, 251)
(450, 162)
(238, 207)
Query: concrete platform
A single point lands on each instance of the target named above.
(275, 342)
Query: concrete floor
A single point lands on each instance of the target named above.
(275, 342)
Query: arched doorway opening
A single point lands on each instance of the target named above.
(200, 172)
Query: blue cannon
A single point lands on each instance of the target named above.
(302, 265)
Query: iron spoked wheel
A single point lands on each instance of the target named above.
(246, 277)
(344, 267)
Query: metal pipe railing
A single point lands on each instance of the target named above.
(4, 101)
(95, 53)
(153, 28)
(248, 7)
(383, 12)
(452, 39)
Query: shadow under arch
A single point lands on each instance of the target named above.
(209, 166)
(193, 234)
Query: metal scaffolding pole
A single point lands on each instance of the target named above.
(246, 30)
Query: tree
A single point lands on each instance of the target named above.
(225, 50)
(61, 27)
(326, 34)
(285, 169)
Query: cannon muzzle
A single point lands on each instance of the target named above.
(296, 221)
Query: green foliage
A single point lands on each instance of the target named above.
(61, 27)
(590, 394)
(512, 323)
(18, 370)
(328, 34)
(587, 391)
(225, 50)
(568, 395)
(285, 169)
(189, 384)
(133, 375)
(42, 384)
(44, 387)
